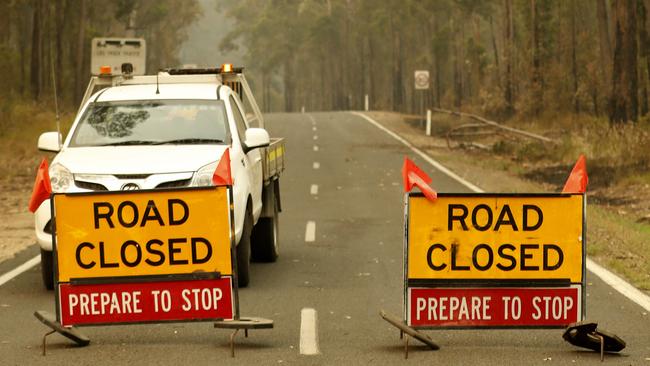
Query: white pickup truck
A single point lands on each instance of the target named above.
(169, 131)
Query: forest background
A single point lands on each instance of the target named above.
(576, 71)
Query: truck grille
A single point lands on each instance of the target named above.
(90, 186)
(175, 183)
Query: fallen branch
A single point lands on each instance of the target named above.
(495, 124)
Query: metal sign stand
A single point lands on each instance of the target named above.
(238, 322)
(244, 323)
(71, 333)
(405, 331)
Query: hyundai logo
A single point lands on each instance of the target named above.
(130, 187)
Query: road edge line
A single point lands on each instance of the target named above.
(19, 270)
(619, 284)
(422, 154)
(623, 287)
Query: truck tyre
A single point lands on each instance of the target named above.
(265, 237)
(47, 269)
(244, 252)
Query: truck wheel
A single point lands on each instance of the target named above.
(265, 237)
(244, 252)
(47, 269)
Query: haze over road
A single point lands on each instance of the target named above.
(340, 263)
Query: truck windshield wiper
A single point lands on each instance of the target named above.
(190, 141)
(131, 142)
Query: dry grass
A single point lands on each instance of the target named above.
(20, 126)
(618, 161)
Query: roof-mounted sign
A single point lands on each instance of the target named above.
(113, 52)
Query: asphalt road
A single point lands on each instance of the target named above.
(350, 271)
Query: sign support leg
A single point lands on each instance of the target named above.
(406, 347)
(45, 341)
(232, 343)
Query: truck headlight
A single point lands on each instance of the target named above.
(60, 178)
(203, 176)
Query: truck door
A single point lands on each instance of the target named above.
(252, 160)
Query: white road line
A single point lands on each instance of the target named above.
(315, 137)
(424, 156)
(308, 332)
(608, 277)
(310, 231)
(313, 128)
(20, 269)
(316, 165)
(619, 284)
(312, 119)
(315, 147)
(314, 189)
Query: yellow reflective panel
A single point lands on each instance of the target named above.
(140, 233)
(496, 237)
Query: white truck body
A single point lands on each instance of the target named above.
(164, 163)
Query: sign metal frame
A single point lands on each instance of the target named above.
(492, 283)
(150, 278)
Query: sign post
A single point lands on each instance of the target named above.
(494, 261)
(421, 78)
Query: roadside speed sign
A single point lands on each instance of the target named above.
(421, 79)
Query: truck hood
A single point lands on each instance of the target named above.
(139, 159)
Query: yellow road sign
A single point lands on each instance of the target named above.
(494, 237)
(139, 233)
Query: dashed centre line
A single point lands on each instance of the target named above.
(316, 165)
(308, 332)
(315, 147)
(314, 189)
(310, 232)
(315, 137)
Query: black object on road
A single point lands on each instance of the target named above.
(587, 335)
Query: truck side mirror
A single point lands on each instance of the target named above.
(256, 138)
(49, 141)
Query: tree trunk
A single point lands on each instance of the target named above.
(79, 77)
(35, 65)
(398, 95)
(644, 50)
(509, 58)
(624, 98)
(605, 42)
(574, 61)
(536, 80)
(495, 50)
(288, 85)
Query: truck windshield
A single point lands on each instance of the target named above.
(150, 122)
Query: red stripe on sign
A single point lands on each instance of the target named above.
(494, 307)
(95, 304)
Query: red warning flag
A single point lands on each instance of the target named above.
(578, 179)
(414, 176)
(222, 176)
(42, 187)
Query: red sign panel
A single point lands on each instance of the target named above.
(94, 304)
(494, 307)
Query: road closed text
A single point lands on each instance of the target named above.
(494, 307)
(496, 237)
(147, 301)
(143, 233)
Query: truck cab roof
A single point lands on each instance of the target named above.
(148, 92)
